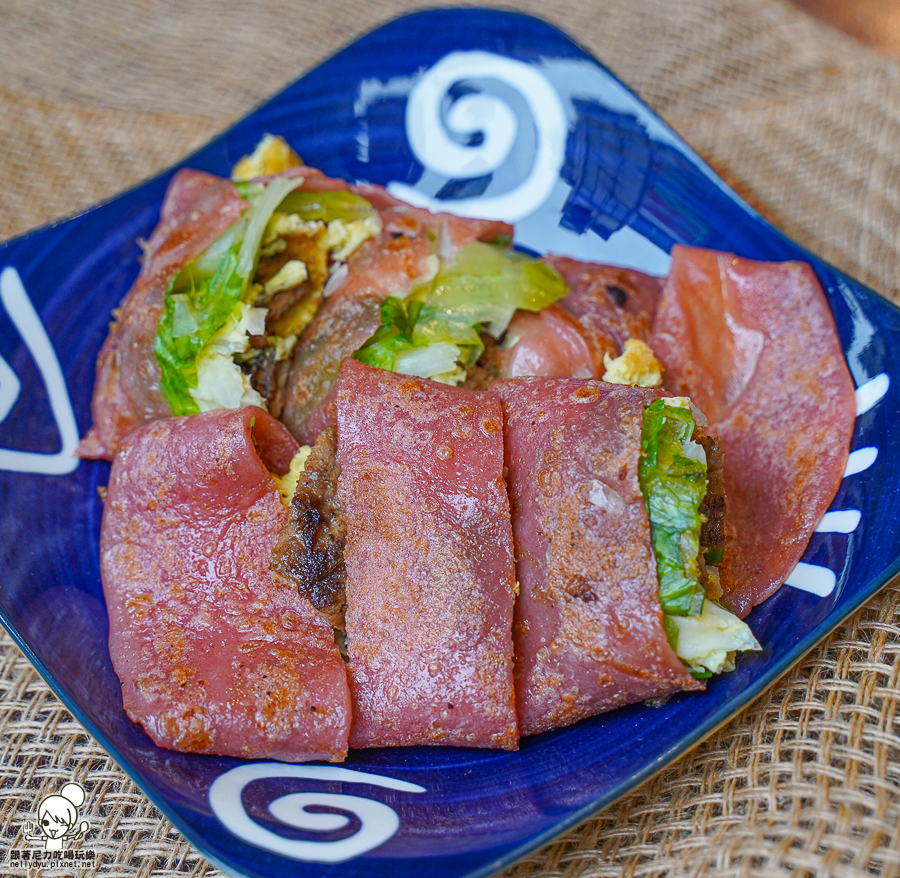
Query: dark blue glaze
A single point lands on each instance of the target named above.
(481, 810)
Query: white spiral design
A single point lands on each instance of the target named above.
(378, 821)
(28, 324)
(431, 144)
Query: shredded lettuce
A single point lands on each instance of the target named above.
(672, 476)
(486, 284)
(435, 332)
(418, 339)
(204, 294)
(261, 210)
(395, 334)
(196, 307)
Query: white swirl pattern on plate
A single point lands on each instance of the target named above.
(28, 324)
(378, 821)
(489, 116)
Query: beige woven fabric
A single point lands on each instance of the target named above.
(96, 96)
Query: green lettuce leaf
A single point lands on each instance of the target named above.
(486, 284)
(203, 295)
(435, 333)
(672, 476)
(419, 339)
(327, 206)
(394, 335)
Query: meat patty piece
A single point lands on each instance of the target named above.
(712, 507)
(310, 550)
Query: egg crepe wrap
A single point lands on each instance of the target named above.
(604, 307)
(429, 561)
(588, 627)
(215, 654)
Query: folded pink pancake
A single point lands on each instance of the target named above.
(198, 207)
(214, 653)
(611, 304)
(588, 624)
(429, 560)
(755, 347)
(386, 265)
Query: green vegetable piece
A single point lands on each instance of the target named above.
(327, 206)
(671, 630)
(394, 335)
(204, 294)
(479, 291)
(189, 320)
(714, 555)
(673, 484)
(486, 284)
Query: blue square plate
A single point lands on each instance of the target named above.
(492, 114)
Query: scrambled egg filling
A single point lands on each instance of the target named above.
(291, 274)
(271, 156)
(637, 365)
(283, 224)
(339, 237)
(287, 484)
(220, 381)
(343, 238)
(710, 641)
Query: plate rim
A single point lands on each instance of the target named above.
(698, 734)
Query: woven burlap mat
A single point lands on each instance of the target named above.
(97, 96)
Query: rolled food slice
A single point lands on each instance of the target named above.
(215, 654)
(588, 629)
(755, 347)
(198, 214)
(408, 251)
(430, 579)
(197, 208)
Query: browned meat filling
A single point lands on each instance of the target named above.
(290, 310)
(268, 376)
(712, 507)
(488, 367)
(310, 549)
